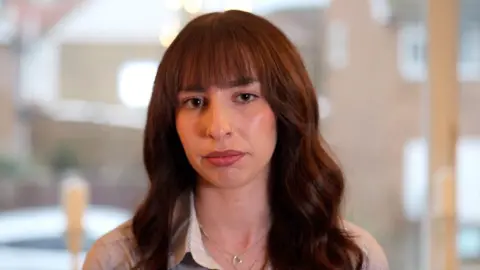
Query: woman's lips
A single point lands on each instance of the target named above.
(224, 158)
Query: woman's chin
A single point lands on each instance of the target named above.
(225, 182)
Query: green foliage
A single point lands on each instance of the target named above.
(9, 167)
(63, 159)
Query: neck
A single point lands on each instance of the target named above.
(240, 215)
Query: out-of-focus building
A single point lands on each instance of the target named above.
(80, 86)
(77, 76)
(376, 81)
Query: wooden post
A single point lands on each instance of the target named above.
(75, 197)
(443, 24)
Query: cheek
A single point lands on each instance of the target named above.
(180, 126)
(184, 131)
(262, 125)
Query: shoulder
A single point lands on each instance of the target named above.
(376, 258)
(114, 250)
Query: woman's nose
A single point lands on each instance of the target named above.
(217, 120)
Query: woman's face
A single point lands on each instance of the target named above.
(228, 133)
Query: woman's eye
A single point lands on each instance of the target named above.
(245, 98)
(193, 103)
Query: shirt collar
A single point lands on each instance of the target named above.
(187, 237)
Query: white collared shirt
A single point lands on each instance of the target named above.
(194, 242)
(116, 250)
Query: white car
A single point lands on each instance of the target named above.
(32, 239)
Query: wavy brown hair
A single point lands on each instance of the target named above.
(306, 185)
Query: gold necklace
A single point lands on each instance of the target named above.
(236, 259)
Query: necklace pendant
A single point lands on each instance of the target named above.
(236, 260)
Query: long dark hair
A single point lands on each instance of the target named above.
(306, 184)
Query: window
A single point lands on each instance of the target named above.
(415, 180)
(470, 54)
(135, 83)
(411, 52)
(380, 11)
(469, 242)
(7, 25)
(412, 57)
(337, 45)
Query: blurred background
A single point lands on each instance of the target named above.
(76, 77)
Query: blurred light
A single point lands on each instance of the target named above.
(174, 5)
(192, 6)
(135, 83)
(167, 38)
(169, 31)
(244, 5)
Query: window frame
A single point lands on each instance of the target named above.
(414, 69)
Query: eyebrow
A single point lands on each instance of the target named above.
(240, 81)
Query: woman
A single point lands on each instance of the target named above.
(239, 178)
